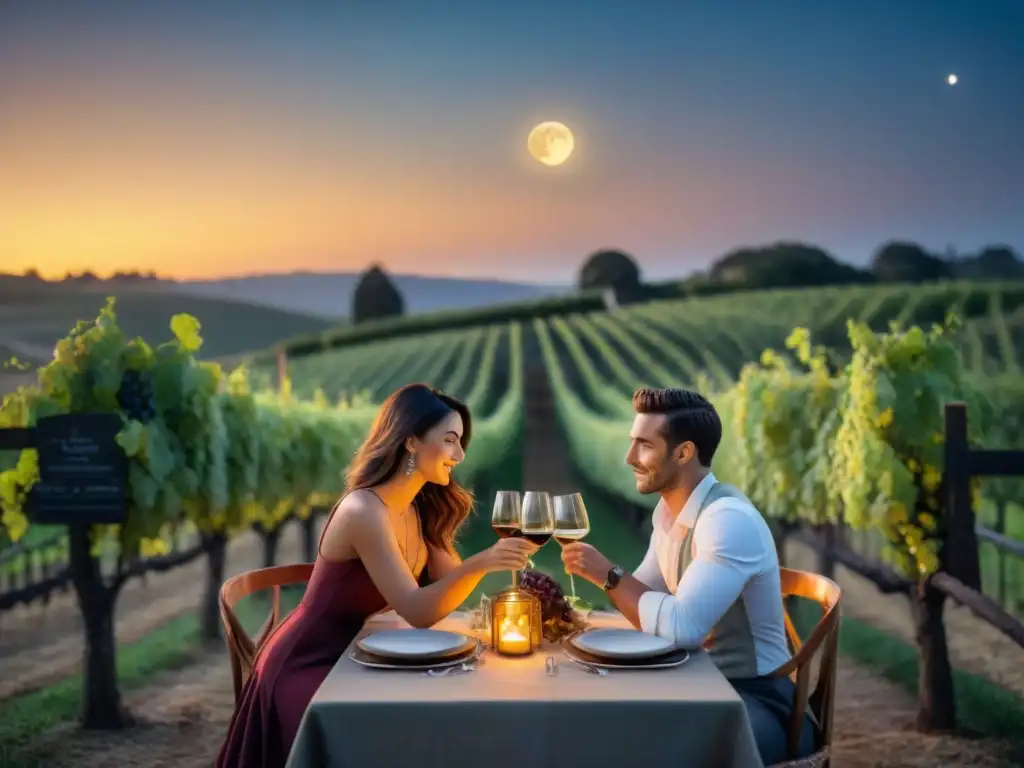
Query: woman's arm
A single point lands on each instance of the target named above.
(441, 563)
(373, 539)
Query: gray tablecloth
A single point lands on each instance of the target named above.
(511, 714)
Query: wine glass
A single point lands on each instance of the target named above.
(571, 524)
(506, 518)
(538, 520)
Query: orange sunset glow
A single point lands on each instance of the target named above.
(211, 142)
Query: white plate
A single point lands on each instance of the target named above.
(674, 660)
(414, 643)
(374, 663)
(621, 644)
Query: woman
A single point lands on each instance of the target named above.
(389, 542)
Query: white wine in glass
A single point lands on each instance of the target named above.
(571, 524)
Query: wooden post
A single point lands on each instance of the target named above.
(960, 548)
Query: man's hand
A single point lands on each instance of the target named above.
(583, 560)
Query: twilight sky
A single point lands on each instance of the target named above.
(215, 138)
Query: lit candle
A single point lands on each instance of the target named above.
(511, 624)
(513, 641)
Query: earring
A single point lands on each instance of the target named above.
(410, 465)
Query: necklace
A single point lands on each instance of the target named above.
(405, 523)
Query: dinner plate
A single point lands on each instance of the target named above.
(674, 658)
(414, 644)
(376, 662)
(621, 644)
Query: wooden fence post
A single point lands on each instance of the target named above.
(960, 547)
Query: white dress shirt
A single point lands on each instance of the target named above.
(734, 558)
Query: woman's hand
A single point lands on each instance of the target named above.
(507, 555)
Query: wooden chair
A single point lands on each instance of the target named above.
(241, 648)
(825, 637)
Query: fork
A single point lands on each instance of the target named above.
(599, 671)
(458, 669)
(466, 666)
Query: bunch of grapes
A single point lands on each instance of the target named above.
(135, 396)
(553, 605)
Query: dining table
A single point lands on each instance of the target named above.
(514, 712)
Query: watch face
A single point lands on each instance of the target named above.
(614, 576)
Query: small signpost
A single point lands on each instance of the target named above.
(83, 472)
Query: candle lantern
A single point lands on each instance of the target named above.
(515, 622)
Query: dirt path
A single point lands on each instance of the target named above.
(546, 462)
(41, 644)
(186, 714)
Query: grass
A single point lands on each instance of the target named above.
(23, 719)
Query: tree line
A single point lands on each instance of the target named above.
(777, 265)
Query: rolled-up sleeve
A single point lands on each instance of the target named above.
(649, 610)
(728, 553)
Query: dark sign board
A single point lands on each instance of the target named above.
(83, 472)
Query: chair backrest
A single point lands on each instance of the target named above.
(241, 648)
(825, 637)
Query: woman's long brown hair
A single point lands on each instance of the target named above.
(412, 411)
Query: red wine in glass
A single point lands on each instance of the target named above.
(507, 531)
(540, 539)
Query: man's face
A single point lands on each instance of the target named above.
(654, 466)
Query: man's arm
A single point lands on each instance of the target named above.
(626, 598)
(646, 578)
(729, 552)
(584, 560)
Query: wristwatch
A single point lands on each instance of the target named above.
(614, 577)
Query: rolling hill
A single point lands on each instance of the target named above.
(329, 294)
(31, 324)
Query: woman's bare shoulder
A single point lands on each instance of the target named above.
(361, 508)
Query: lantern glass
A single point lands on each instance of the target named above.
(515, 623)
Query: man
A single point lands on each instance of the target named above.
(711, 573)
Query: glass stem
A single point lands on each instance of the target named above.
(515, 579)
(572, 586)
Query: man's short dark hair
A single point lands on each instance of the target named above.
(689, 416)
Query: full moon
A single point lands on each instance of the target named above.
(551, 142)
(952, 79)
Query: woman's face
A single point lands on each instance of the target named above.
(440, 450)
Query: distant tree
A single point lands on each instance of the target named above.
(610, 269)
(375, 296)
(997, 261)
(783, 264)
(32, 274)
(904, 262)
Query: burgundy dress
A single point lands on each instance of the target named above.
(290, 666)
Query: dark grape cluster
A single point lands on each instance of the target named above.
(553, 604)
(135, 396)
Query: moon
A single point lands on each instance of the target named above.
(952, 79)
(551, 142)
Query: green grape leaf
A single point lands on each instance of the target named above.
(132, 438)
(186, 330)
